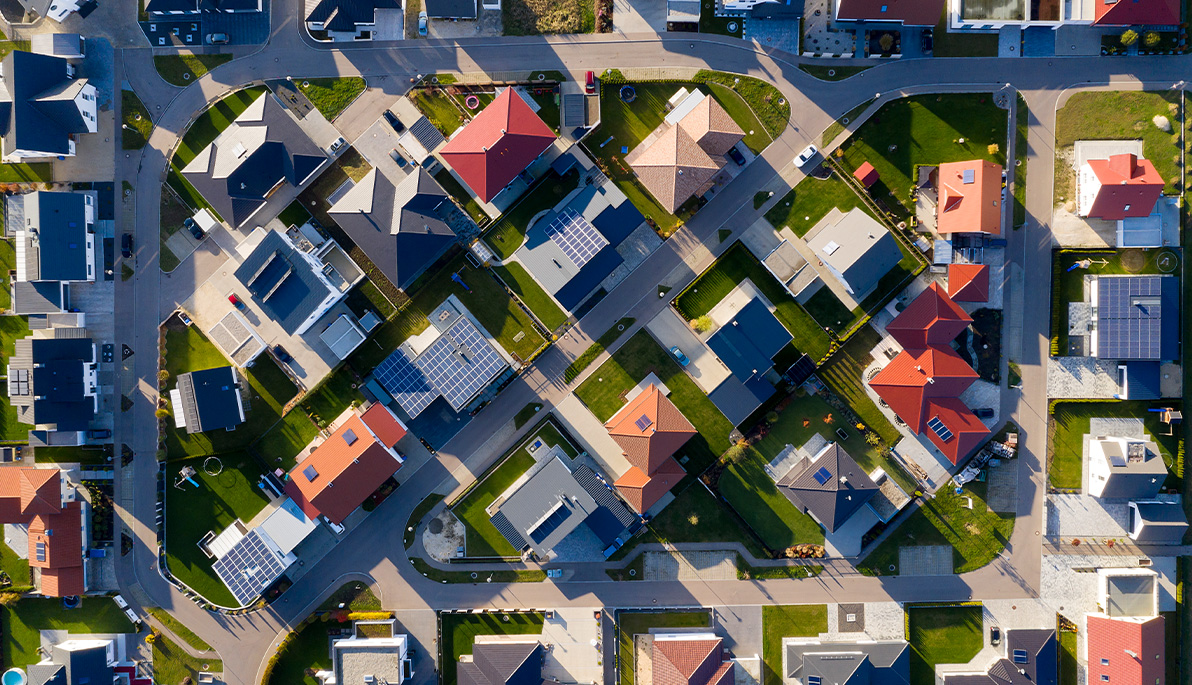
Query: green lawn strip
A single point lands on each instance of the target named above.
(294, 214)
(304, 648)
(38, 172)
(183, 70)
(332, 396)
(332, 95)
(510, 576)
(281, 444)
(603, 392)
(178, 628)
(191, 513)
(212, 122)
(24, 621)
(550, 436)
(462, 196)
(1069, 666)
(810, 200)
(828, 311)
(976, 535)
(134, 116)
(481, 537)
(525, 287)
(1021, 144)
(548, 109)
(763, 98)
(416, 517)
(367, 296)
(735, 265)
(526, 413)
(439, 108)
(16, 567)
(354, 595)
(12, 430)
(630, 623)
(8, 262)
(961, 43)
(509, 232)
(802, 620)
(173, 213)
(842, 374)
(696, 515)
(827, 73)
(837, 127)
(751, 492)
(459, 632)
(69, 455)
(924, 129)
(1070, 423)
(942, 635)
(747, 571)
(575, 368)
(172, 664)
(756, 137)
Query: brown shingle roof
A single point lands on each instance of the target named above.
(662, 431)
(711, 127)
(673, 167)
(686, 662)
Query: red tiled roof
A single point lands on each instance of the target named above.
(62, 582)
(915, 376)
(497, 145)
(686, 662)
(344, 474)
(866, 174)
(909, 12)
(974, 207)
(41, 491)
(967, 430)
(932, 319)
(384, 424)
(62, 535)
(968, 282)
(1134, 650)
(663, 429)
(642, 491)
(1137, 12)
(1130, 187)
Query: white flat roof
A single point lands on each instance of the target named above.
(287, 526)
(225, 540)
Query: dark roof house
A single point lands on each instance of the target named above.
(1138, 317)
(210, 399)
(289, 285)
(1031, 657)
(848, 663)
(504, 662)
(52, 379)
(43, 107)
(857, 250)
(1157, 522)
(75, 662)
(544, 510)
(168, 7)
(747, 345)
(1124, 468)
(347, 19)
(829, 486)
(450, 9)
(57, 238)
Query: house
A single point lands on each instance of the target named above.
(931, 319)
(497, 145)
(543, 509)
(830, 486)
(347, 467)
(682, 157)
(1125, 640)
(76, 662)
(1028, 657)
(402, 228)
(968, 282)
(747, 345)
(53, 382)
(1136, 13)
(857, 250)
(650, 429)
(263, 149)
(905, 12)
(249, 560)
(55, 246)
(690, 659)
(452, 9)
(511, 660)
(349, 19)
(883, 662)
(969, 198)
(64, 45)
(208, 400)
(866, 175)
(369, 656)
(55, 517)
(1123, 186)
(1157, 522)
(167, 9)
(44, 108)
(1124, 468)
(1136, 317)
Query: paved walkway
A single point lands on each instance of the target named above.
(925, 560)
(713, 565)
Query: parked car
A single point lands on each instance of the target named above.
(195, 229)
(126, 246)
(339, 142)
(281, 354)
(396, 157)
(926, 41)
(736, 155)
(394, 121)
(984, 412)
(590, 83)
(217, 38)
(99, 434)
(422, 22)
(995, 636)
(806, 155)
(236, 302)
(679, 356)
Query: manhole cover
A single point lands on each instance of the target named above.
(435, 526)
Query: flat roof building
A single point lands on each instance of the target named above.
(1136, 317)
(1125, 468)
(291, 286)
(857, 250)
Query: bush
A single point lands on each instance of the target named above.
(1129, 37)
(1151, 39)
(702, 324)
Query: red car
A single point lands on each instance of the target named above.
(235, 301)
(590, 85)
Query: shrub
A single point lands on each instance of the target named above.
(702, 324)
(1151, 39)
(1129, 37)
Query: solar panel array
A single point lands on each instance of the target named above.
(1129, 317)
(249, 567)
(406, 382)
(577, 238)
(823, 475)
(939, 428)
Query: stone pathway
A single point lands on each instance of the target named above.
(1002, 488)
(925, 560)
(720, 565)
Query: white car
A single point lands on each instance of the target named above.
(806, 155)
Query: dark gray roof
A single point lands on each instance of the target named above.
(450, 9)
(56, 233)
(282, 282)
(502, 663)
(850, 663)
(1160, 523)
(57, 44)
(195, 6)
(1131, 594)
(547, 507)
(210, 399)
(423, 131)
(47, 674)
(858, 248)
(43, 297)
(603, 495)
(47, 383)
(831, 487)
(344, 15)
(84, 666)
(1031, 658)
(1138, 475)
(37, 110)
(1138, 317)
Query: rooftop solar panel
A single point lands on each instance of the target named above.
(406, 382)
(1130, 317)
(823, 475)
(939, 428)
(249, 567)
(643, 422)
(575, 237)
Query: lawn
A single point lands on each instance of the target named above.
(172, 665)
(942, 635)
(332, 95)
(183, 70)
(766, 101)
(23, 621)
(749, 490)
(437, 106)
(924, 129)
(1069, 666)
(630, 623)
(459, 632)
(191, 513)
(810, 200)
(1021, 145)
(11, 430)
(8, 262)
(803, 620)
(16, 567)
(538, 17)
(456, 190)
(40, 172)
(520, 281)
(1124, 115)
(294, 214)
(509, 232)
(71, 455)
(482, 539)
(735, 265)
(976, 535)
(575, 368)
(189, 195)
(134, 115)
(307, 648)
(828, 311)
(837, 127)
(281, 444)
(177, 628)
(605, 389)
(696, 515)
(1069, 423)
(212, 122)
(842, 374)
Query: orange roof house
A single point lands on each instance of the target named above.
(690, 659)
(866, 174)
(968, 282)
(650, 429)
(915, 376)
(970, 197)
(931, 319)
(36, 498)
(348, 466)
(1126, 650)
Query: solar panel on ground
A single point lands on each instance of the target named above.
(575, 237)
(249, 567)
(940, 429)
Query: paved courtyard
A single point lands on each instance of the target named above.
(925, 560)
(689, 566)
(1002, 487)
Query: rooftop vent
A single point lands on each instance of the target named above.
(350, 437)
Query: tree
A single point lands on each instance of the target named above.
(1129, 37)
(1151, 38)
(702, 324)
(993, 148)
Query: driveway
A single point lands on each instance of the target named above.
(670, 330)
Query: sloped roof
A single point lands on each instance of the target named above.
(687, 661)
(1110, 639)
(674, 167)
(343, 15)
(831, 487)
(62, 535)
(36, 114)
(914, 376)
(968, 282)
(909, 12)
(502, 663)
(41, 491)
(497, 145)
(970, 197)
(63, 582)
(931, 319)
(382, 422)
(650, 429)
(711, 127)
(850, 663)
(642, 491)
(1137, 12)
(866, 174)
(964, 431)
(1130, 186)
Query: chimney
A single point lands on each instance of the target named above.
(931, 380)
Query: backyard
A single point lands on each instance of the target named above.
(630, 623)
(803, 620)
(332, 95)
(307, 648)
(509, 232)
(183, 70)
(771, 516)
(282, 443)
(523, 285)
(1069, 423)
(842, 373)
(459, 631)
(440, 108)
(23, 622)
(11, 430)
(942, 635)
(575, 368)
(696, 515)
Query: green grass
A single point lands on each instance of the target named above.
(842, 374)
(1069, 422)
(1021, 128)
(810, 200)
(640, 623)
(976, 535)
(461, 195)
(551, 436)
(482, 539)
(696, 515)
(828, 311)
(332, 95)
(134, 115)
(962, 44)
(1069, 666)
(437, 106)
(829, 73)
(924, 129)
(69, 455)
(527, 412)
(525, 287)
(172, 664)
(8, 262)
(355, 595)
(183, 70)
(16, 567)
(575, 368)
(756, 135)
(177, 628)
(23, 621)
(548, 109)
(173, 213)
(304, 648)
(535, 18)
(294, 214)
(367, 296)
(604, 390)
(212, 122)
(500, 577)
(749, 489)
(803, 620)
(942, 635)
(735, 265)
(286, 438)
(38, 172)
(459, 632)
(509, 232)
(837, 127)
(191, 513)
(11, 329)
(764, 99)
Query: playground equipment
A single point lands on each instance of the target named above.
(455, 277)
(628, 94)
(212, 466)
(472, 102)
(186, 474)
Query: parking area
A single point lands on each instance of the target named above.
(242, 28)
(377, 144)
(669, 329)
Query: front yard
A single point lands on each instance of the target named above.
(307, 648)
(800, 620)
(173, 665)
(459, 632)
(23, 622)
(1069, 423)
(810, 200)
(332, 95)
(630, 623)
(696, 515)
(136, 117)
(942, 635)
(755, 497)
